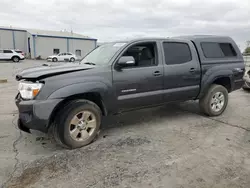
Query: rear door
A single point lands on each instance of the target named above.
(69, 55)
(181, 70)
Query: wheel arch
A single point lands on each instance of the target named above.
(224, 81)
(223, 78)
(94, 97)
(15, 56)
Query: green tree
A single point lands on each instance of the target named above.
(247, 50)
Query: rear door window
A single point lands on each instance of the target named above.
(217, 50)
(176, 53)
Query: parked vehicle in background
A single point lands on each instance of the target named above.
(117, 77)
(66, 56)
(20, 52)
(246, 78)
(8, 54)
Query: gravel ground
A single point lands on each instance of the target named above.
(170, 146)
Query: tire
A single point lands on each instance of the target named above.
(211, 103)
(54, 59)
(74, 135)
(72, 59)
(15, 59)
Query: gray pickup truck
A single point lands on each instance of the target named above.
(71, 99)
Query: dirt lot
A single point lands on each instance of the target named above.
(169, 146)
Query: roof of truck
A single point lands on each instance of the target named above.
(184, 37)
(201, 37)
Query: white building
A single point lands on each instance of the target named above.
(43, 43)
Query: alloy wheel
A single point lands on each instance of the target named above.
(217, 101)
(82, 125)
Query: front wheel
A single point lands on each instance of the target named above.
(54, 59)
(77, 124)
(215, 100)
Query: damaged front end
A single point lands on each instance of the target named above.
(35, 108)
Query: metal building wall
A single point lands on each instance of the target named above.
(13, 39)
(6, 39)
(20, 41)
(44, 45)
(84, 45)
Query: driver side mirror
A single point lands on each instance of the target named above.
(126, 61)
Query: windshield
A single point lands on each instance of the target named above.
(102, 54)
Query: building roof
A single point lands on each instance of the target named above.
(49, 33)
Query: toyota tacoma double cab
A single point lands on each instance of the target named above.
(71, 99)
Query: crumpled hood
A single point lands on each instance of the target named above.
(47, 70)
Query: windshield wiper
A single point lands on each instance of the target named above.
(89, 63)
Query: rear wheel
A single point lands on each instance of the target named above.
(77, 124)
(15, 59)
(72, 59)
(54, 59)
(215, 101)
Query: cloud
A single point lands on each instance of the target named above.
(120, 19)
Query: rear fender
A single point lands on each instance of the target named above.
(210, 77)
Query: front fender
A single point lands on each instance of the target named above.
(80, 88)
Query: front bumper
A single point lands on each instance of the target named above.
(35, 114)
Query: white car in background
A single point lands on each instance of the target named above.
(13, 55)
(62, 57)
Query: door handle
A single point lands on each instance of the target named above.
(192, 70)
(157, 73)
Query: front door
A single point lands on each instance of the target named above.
(181, 71)
(61, 56)
(141, 84)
